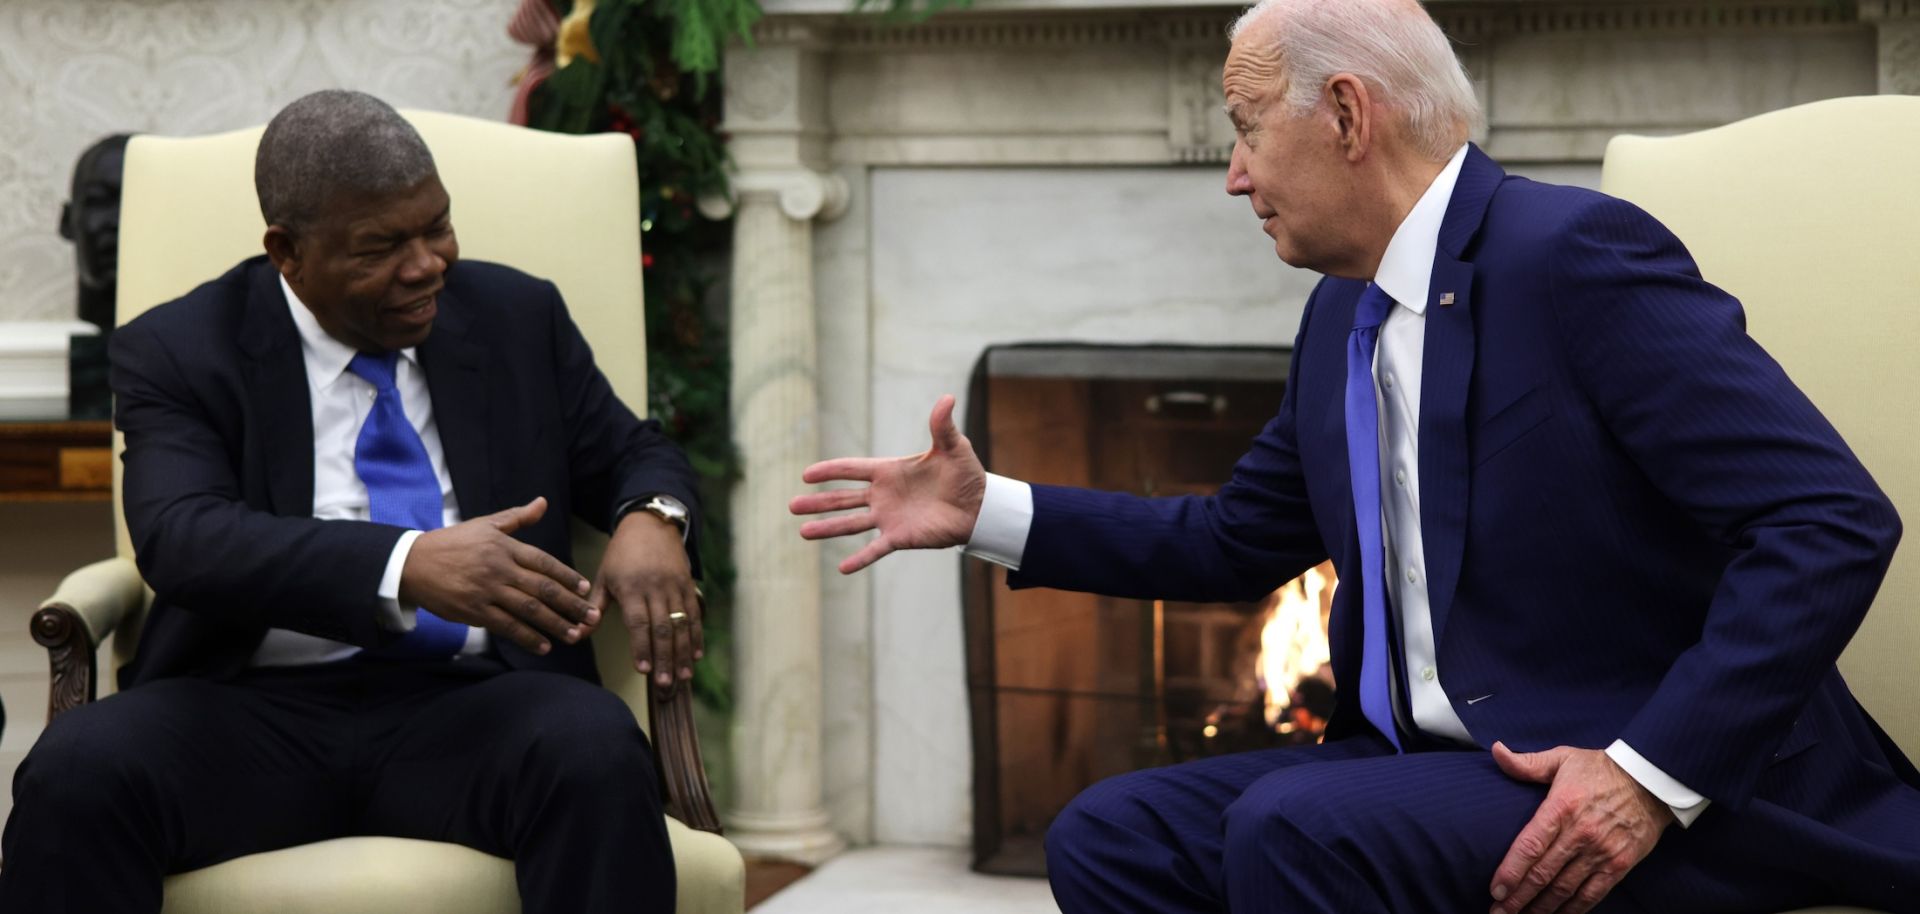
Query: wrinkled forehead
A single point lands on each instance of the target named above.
(1252, 73)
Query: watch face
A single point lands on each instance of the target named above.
(668, 507)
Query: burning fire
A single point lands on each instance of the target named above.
(1293, 638)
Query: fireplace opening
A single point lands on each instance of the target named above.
(1066, 689)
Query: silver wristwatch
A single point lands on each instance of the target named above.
(669, 509)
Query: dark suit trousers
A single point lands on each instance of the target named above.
(544, 769)
(1350, 828)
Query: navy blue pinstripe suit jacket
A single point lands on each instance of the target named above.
(1636, 526)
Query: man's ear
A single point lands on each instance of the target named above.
(1353, 114)
(284, 250)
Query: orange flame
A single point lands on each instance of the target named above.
(1293, 638)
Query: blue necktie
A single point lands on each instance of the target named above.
(1363, 462)
(402, 490)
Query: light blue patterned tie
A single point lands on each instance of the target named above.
(1363, 462)
(402, 490)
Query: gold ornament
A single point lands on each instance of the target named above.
(575, 39)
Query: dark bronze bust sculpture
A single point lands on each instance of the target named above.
(91, 220)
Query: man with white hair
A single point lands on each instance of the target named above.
(1598, 555)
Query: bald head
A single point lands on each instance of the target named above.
(1393, 45)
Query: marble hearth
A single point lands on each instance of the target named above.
(1053, 170)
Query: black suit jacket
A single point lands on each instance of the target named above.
(211, 392)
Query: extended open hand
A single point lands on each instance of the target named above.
(927, 501)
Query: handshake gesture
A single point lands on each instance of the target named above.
(927, 501)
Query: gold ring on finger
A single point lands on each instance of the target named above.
(678, 618)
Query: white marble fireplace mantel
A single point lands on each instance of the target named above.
(1052, 169)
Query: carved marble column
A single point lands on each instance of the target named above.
(778, 808)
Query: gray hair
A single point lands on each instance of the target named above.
(1394, 46)
(333, 143)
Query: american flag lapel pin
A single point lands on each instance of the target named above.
(1446, 299)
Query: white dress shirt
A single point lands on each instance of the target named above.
(341, 401)
(1006, 511)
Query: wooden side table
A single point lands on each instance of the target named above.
(56, 461)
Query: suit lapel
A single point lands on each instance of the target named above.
(456, 378)
(1449, 353)
(276, 375)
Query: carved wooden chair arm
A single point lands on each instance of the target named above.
(682, 775)
(87, 607)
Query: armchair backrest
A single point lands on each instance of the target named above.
(566, 208)
(1810, 216)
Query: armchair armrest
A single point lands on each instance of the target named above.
(87, 606)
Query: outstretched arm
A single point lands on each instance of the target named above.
(1239, 544)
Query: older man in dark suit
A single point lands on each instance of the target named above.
(349, 468)
(1597, 554)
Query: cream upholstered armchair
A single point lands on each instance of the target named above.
(561, 207)
(1809, 216)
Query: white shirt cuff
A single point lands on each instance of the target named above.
(1006, 516)
(391, 615)
(1685, 803)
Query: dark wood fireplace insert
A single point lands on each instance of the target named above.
(1066, 689)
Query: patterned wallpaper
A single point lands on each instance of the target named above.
(72, 71)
